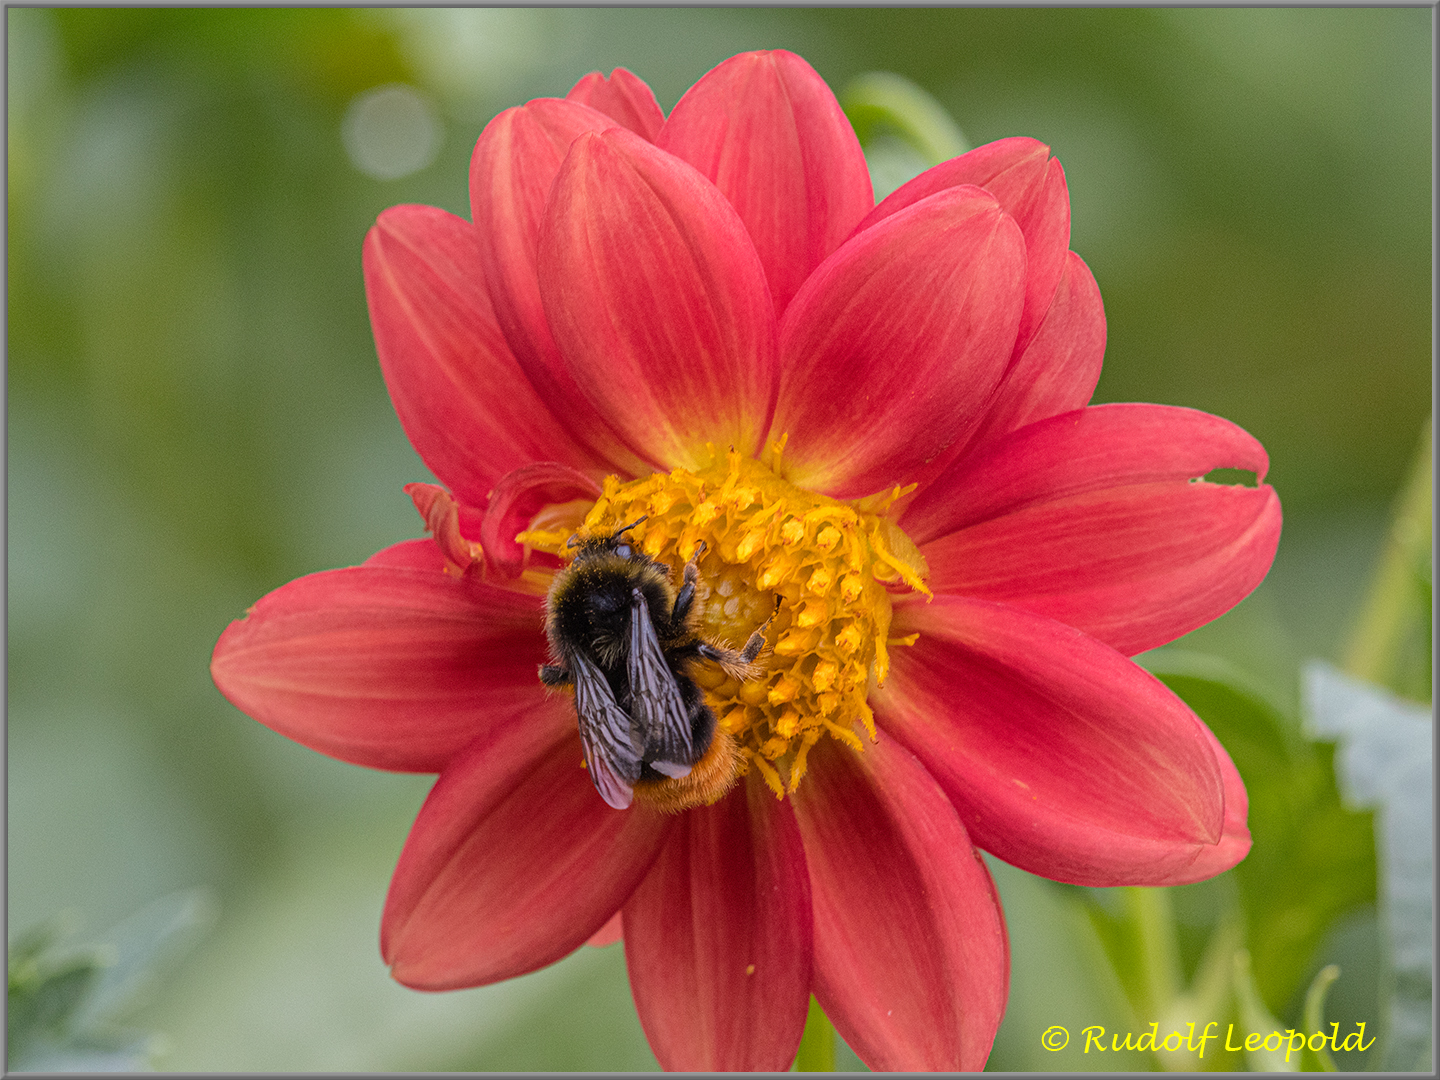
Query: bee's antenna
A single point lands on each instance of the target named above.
(627, 528)
(572, 542)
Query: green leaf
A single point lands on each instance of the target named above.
(63, 1001)
(1313, 859)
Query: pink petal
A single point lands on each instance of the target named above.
(384, 666)
(466, 406)
(657, 301)
(511, 173)
(718, 938)
(1058, 369)
(892, 349)
(516, 500)
(911, 962)
(1061, 756)
(624, 97)
(765, 128)
(514, 860)
(1074, 525)
(1030, 187)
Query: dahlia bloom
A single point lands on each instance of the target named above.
(877, 415)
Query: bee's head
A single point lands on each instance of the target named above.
(614, 544)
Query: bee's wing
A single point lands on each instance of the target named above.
(610, 753)
(654, 696)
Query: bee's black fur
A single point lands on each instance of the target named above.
(588, 621)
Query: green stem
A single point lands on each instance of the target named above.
(817, 1045)
(881, 100)
(1318, 1060)
(1154, 926)
(1394, 607)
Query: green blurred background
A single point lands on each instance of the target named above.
(196, 416)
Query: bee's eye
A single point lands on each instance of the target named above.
(623, 550)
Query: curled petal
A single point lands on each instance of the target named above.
(384, 665)
(767, 131)
(911, 962)
(1061, 756)
(891, 350)
(1030, 186)
(468, 409)
(514, 860)
(511, 173)
(657, 301)
(442, 517)
(517, 498)
(718, 938)
(624, 97)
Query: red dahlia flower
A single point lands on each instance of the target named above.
(877, 415)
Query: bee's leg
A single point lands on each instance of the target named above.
(686, 596)
(554, 675)
(740, 664)
(756, 641)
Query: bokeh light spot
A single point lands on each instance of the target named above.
(391, 131)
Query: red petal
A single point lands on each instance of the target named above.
(410, 555)
(1234, 844)
(657, 301)
(514, 860)
(624, 97)
(1058, 370)
(1077, 529)
(1061, 756)
(466, 406)
(718, 938)
(893, 347)
(381, 666)
(517, 499)
(511, 173)
(765, 128)
(1030, 186)
(1092, 449)
(911, 962)
(608, 934)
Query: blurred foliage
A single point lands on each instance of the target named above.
(1391, 643)
(196, 416)
(1312, 860)
(65, 1004)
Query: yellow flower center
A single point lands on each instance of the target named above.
(831, 565)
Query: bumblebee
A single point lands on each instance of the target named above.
(620, 634)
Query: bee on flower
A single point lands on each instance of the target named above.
(850, 444)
